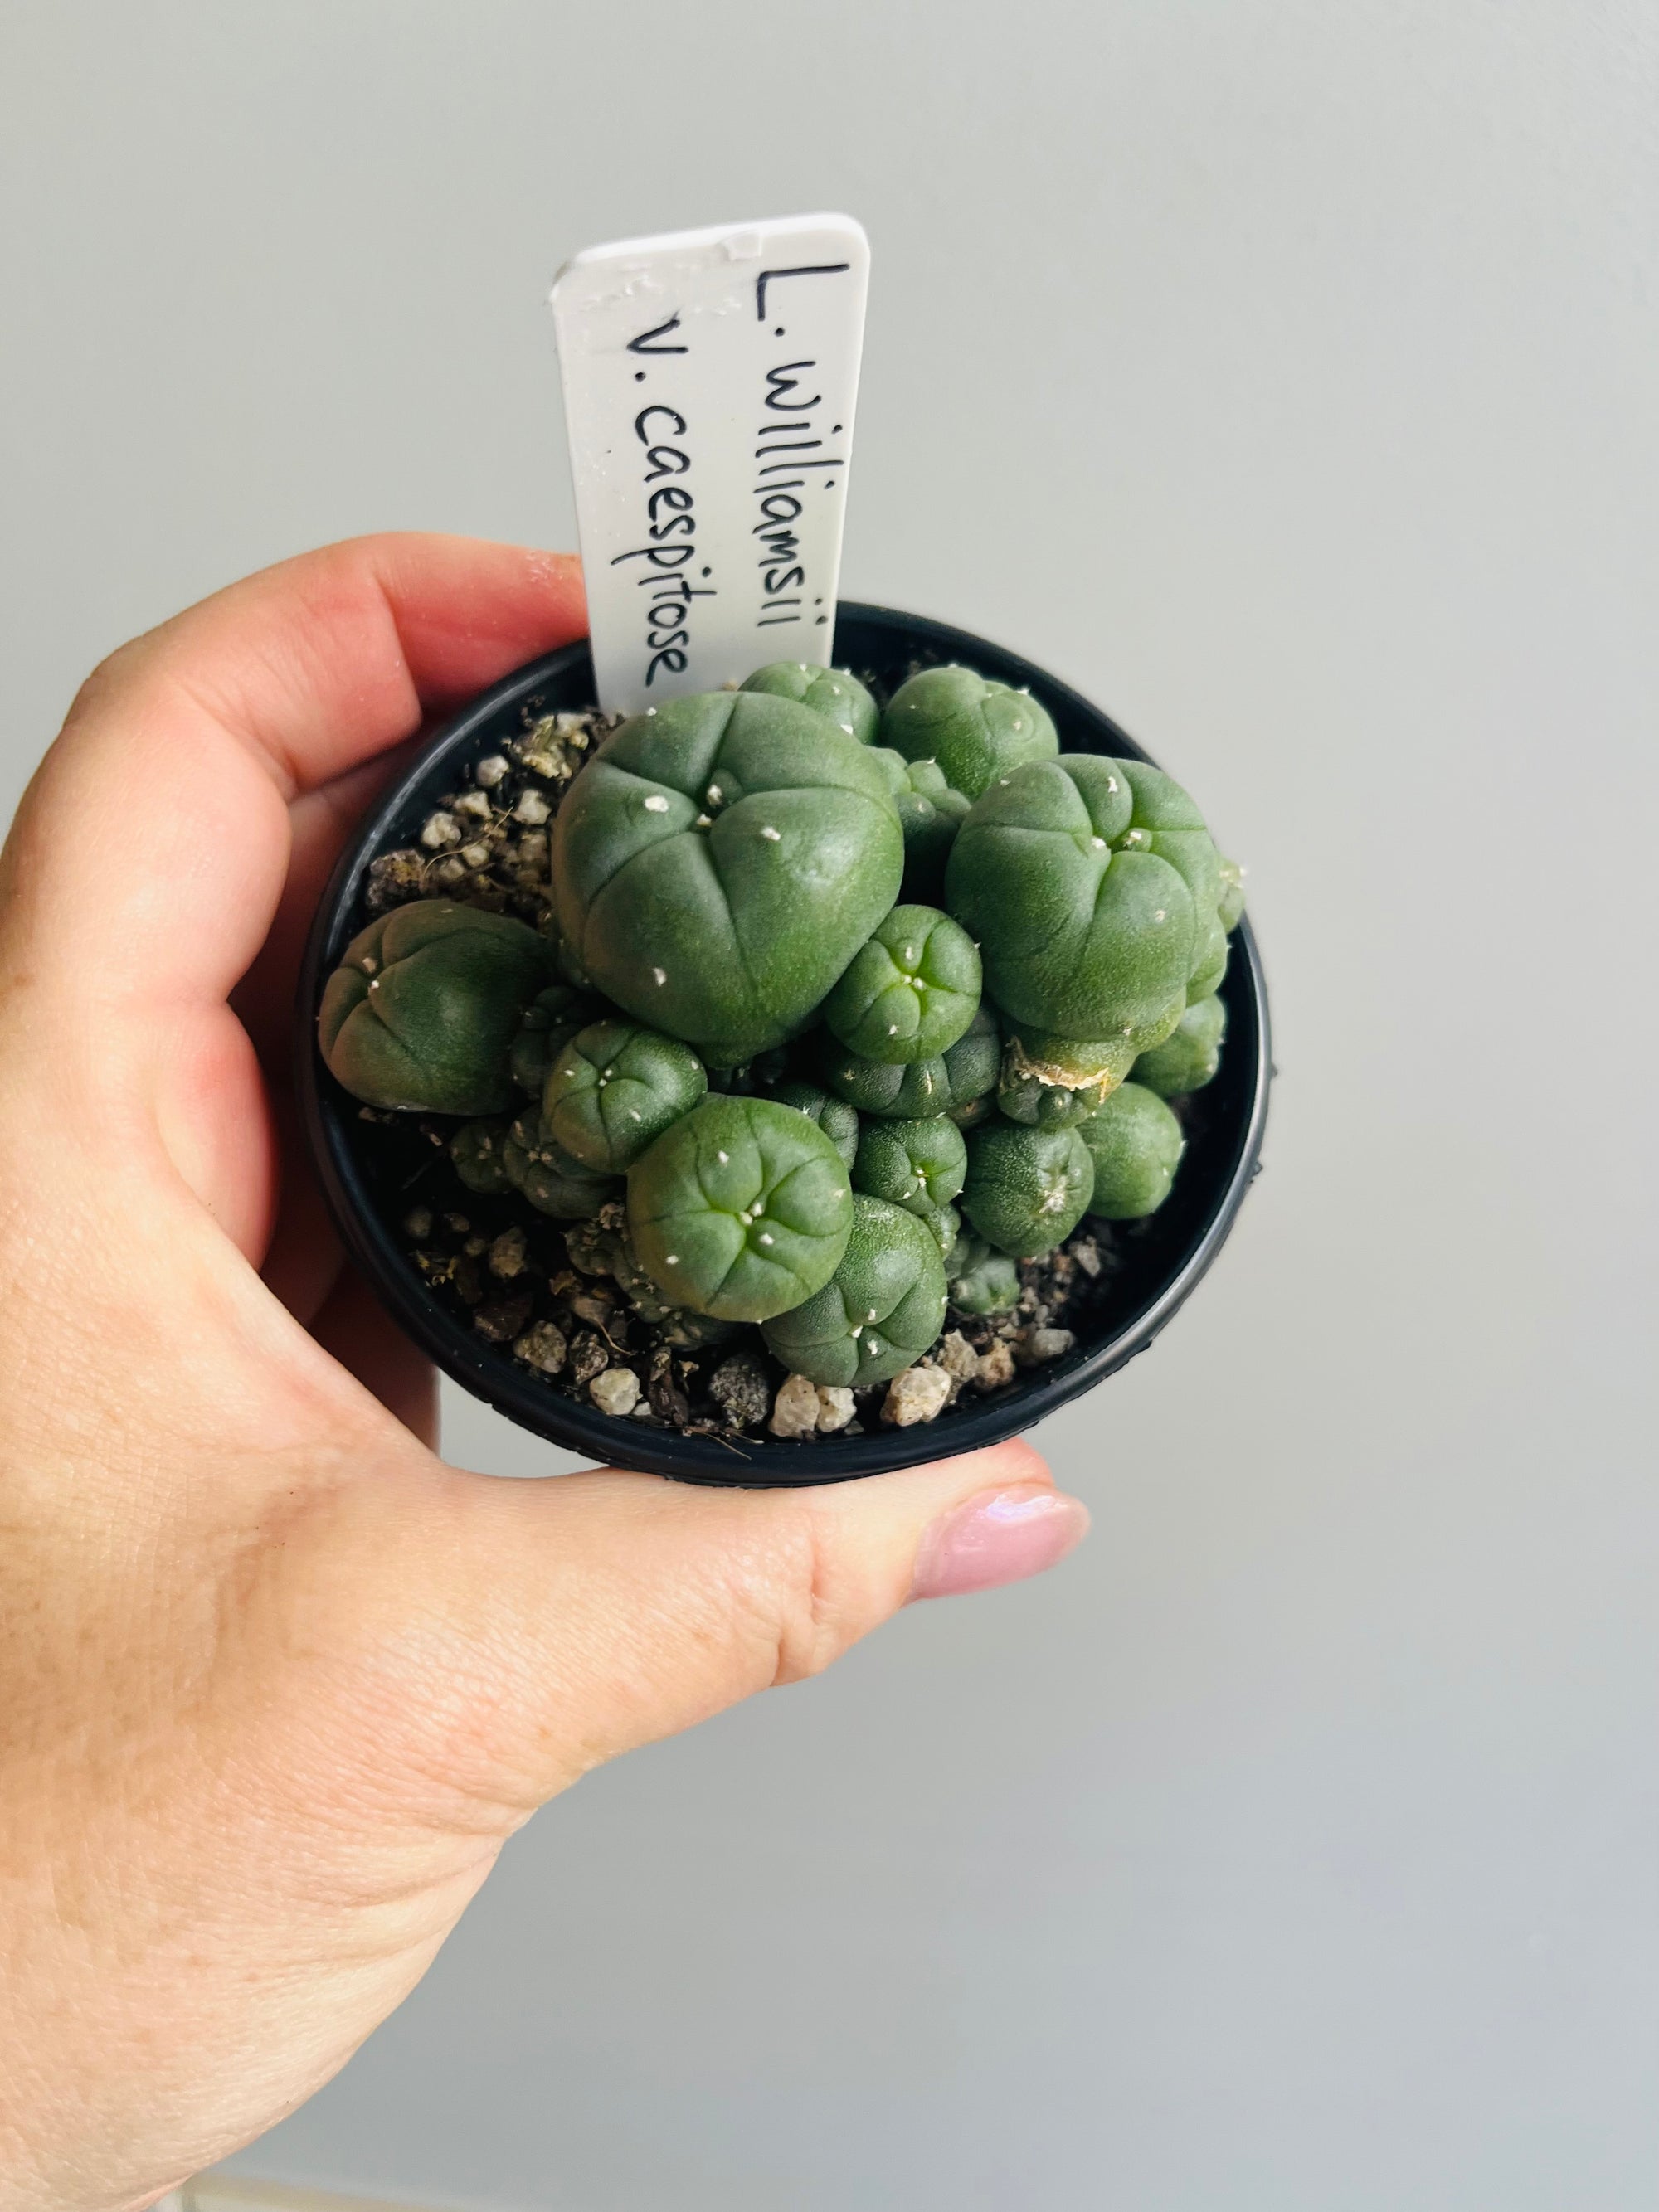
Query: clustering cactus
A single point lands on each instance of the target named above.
(842, 1015)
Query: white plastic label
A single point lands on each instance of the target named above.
(709, 381)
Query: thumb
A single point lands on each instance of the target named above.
(519, 1633)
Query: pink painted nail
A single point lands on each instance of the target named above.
(1001, 1536)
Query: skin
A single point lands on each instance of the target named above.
(276, 1682)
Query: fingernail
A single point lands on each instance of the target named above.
(1001, 1536)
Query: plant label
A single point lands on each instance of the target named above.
(709, 381)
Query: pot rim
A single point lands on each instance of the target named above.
(328, 1118)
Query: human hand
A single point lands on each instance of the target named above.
(276, 1683)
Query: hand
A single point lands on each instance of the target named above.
(276, 1683)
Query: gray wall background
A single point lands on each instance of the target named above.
(1284, 374)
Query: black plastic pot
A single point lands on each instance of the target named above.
(1168, 1252)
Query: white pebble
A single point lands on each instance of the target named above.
(656, 804)
(441, 830)
(775, 836)
(958, 1357)
(617, 1391)
(660, 974)
(1043, 1344)
(475, 805)
(795, 1408)
(836, 1409)
(490, 771)
(475, 856)
(531, 808)
(917, 1394)
(996, 1367)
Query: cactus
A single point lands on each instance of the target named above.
(551, 1020)
(478, 1150)
(1092, 885)
(1053, 1083)
(930, 814)
(879, 1312)
(835, 693)
(422, 1012)
(919, 1165)
(742, 1209)
(838, 1120)
(538, 1166)
(982, 1281)
(908, 993)
(972, 729)
(949, 1084)
(1134, 1142)
(1189, 1057)
(614, 1089)
(718, 863)
(1026, 1189)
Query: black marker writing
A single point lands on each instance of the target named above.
(671, 529)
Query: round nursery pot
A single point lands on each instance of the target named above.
(1165, 1257)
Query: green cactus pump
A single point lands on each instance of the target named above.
(742, 1209)
(1189, 1057)
(551, 1020)
(972, 729)
(553, 1180)
(424, 1009)
(1134, 1142)
(879, 1312)
(930, 814)
(1085, 881)
(838, 1120)
(919, 1165)
(478, 1150)
(1027, 1190)
(981, 1280)
(614, 1089)
(949, 1084)
(718, 863)
(911, 992)
(835, 693)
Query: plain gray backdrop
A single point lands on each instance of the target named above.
(1283, 374)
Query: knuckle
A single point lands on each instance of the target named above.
(817, 1611)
